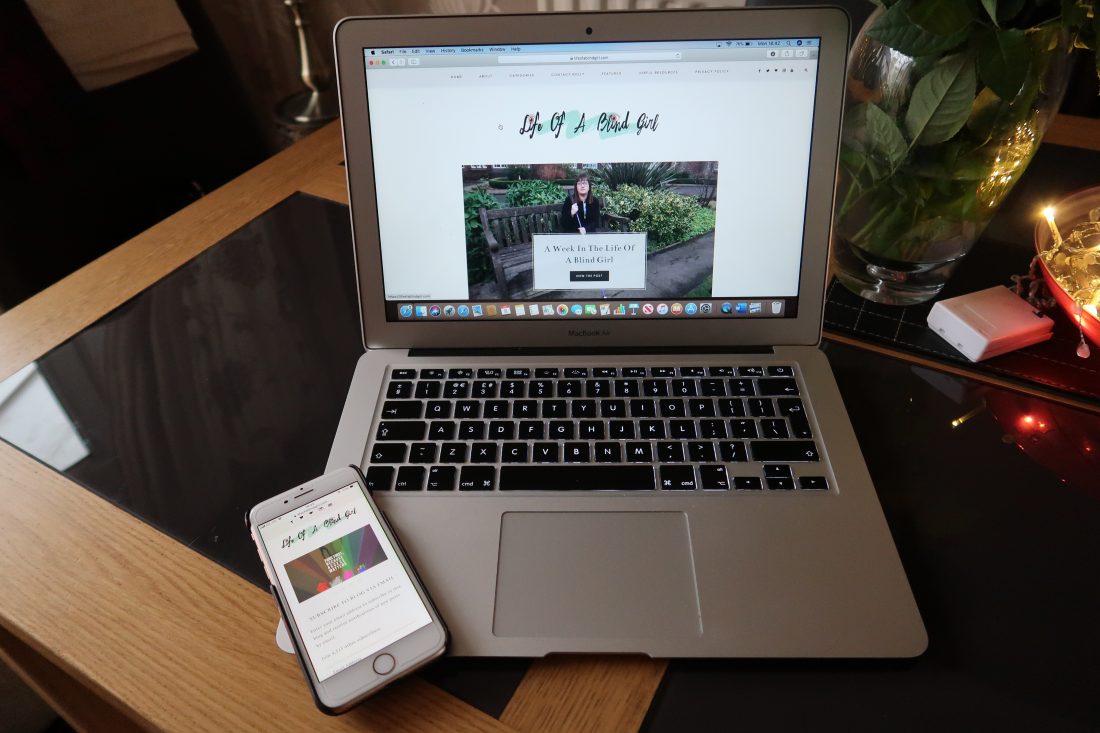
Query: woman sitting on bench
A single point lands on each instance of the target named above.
(581, 211)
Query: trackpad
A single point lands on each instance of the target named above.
(596, 575)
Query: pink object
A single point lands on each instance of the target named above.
(1074, 207)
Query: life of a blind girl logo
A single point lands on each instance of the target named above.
(574, 124)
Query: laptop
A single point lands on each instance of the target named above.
(591, 253)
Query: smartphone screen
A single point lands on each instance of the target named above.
(347, 591)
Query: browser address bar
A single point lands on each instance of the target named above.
(583, 58)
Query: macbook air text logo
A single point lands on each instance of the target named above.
(585, 333)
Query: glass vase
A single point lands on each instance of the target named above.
(919, 181)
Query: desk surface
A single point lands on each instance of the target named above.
(998, 527)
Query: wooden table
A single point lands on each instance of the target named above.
(119, 644)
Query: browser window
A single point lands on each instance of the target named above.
(595, 180)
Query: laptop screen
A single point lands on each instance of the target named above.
(592, 180)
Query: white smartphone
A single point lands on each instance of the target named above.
(358, 615)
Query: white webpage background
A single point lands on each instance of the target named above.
(426, 125)
(396, 620)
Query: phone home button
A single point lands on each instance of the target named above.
(384, 664)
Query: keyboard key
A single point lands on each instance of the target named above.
(743, 428)
(590, 429)
(438, 409)
(712, 387)
(723, 371)
(626, 388)
(662, 372)
(583, 408)
(488, 373)
(684, 388)
(670, 452)
(525, 408)
(701, 407)
(761, 407)
(692, 372)
(485, 389)
(813, 483)
(422, 453)
(597, 388)
(380, 478)
(677, 478)
(441, 478)
(655, 388)
(733, 452)
(513, 453)
(608, 453)
(547, 373)
(790, 406)
(620, 430)
(639, 453)
(653, 429)
(466, 408)
(399, 390)
(750, 371)
(747, 483)
(518, 373)
(483, 453)
(681, 429)
(561, 429)
(401, 430)
(576, 372)
(732, 407)
(453, 390)
(553, 408)
(742, 387)
(778, 387)
(532, 430)
(773, 471)
(775, 428)
(576, 478)
(402, 410)
(569, 388)
(701, 452)
(605, 372)
(460, 374)
(403, 374)
(544, 453)
(442, 430)
(512, 388)
(672, 408)
(632, 372)
(713, 478)
(476, 478)
(432, 374)
(502, 430)
(781, 484)
(800, 426)
(576, 453)
(712, 429)
(428, 390)
(780, 371)
(643, 408)
(410, 478)
(471, 430)
(541, 388)
(496, 408)
(453, 453)
(784, 451)
(613, 408)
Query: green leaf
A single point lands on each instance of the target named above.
(941, 17)
(987, 107)
(991, 9)
(894, 29)
(1003, 60)
(869, 130)
(941, 101)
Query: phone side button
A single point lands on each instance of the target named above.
(384, 664)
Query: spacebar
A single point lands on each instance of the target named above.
(576, 478)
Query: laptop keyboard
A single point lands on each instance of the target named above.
(662, 428)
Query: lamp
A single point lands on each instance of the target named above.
(318, 103)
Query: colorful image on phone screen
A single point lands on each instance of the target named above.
(338, 561)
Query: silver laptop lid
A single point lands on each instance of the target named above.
(657, 179)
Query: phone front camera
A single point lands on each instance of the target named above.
(588, 30)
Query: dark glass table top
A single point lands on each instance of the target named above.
(223, 383)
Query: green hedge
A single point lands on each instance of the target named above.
(534, 193)
(479, 266)
(667, 217)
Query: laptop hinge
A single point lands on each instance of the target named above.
(609, 351)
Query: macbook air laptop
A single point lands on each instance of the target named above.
(591, 253)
